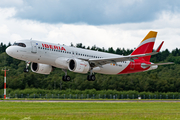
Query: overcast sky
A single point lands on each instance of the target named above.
(104, 23)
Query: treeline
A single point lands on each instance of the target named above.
(3, 47)
(164, 79)
(87, 94)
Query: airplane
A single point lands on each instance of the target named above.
(45, 56)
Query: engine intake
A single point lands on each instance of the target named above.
(41, 68)
(77, 65)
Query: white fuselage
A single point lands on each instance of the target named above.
(48, 53)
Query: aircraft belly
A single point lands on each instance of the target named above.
(112, 68)
(40, 58)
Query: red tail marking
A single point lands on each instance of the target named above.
(136, 68)
(146, 46)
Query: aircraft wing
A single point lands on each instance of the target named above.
(103, 61)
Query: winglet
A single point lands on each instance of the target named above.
(158, 49)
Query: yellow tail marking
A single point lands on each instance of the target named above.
(151, 34)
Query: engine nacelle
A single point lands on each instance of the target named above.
(41, 68)
(77, 65)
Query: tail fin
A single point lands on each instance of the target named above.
(146, 45)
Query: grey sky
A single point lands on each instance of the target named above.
(92, 12)
(104, 23)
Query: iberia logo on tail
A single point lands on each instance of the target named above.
(146, 45)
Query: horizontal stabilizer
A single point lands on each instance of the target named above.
(149, 65)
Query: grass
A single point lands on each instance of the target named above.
(88, 99)
(88, 111)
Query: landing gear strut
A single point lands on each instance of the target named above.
(27, 65)
(91, 77)
(66, 77)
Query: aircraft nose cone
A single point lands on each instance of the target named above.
(9, 51)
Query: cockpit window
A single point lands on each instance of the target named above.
(19, 44)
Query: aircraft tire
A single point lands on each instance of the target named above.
(68, 78)
(89, 78)
(93, 78)
(26, 70)
(64, 78)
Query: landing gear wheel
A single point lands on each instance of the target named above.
(91, 78)
(66, 78)
(26, 70)
(88, 78)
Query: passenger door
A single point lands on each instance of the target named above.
(34, 47)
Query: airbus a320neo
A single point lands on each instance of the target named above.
(44, 56)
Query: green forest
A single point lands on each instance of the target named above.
(164, 79)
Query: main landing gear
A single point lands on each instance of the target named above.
(91, 77)
(66, 77)
(26, 70)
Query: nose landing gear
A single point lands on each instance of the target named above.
(26, 70)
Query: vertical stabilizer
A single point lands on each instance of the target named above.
(146, 45)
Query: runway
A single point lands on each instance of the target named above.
(86, 101)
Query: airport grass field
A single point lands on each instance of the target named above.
(89, 111)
